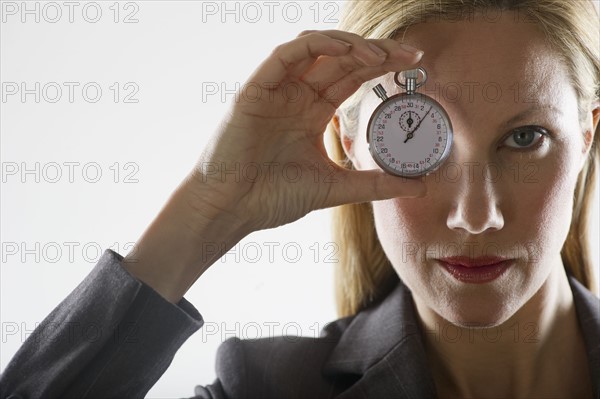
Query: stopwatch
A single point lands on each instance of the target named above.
(409, 134)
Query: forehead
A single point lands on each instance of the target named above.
(492, 51)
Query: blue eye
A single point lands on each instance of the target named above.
(523, 137)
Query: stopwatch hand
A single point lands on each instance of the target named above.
(421, 121)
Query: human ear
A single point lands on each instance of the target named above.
(590, 131)
(595, 117)
(342, 132)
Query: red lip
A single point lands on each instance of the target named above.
(466, 261)
(476, 271)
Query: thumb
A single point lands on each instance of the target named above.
(355, 186)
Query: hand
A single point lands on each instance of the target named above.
(272, 135)
(266, 165)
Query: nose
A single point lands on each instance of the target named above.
(474, 204)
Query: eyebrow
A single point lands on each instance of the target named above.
(533, 109)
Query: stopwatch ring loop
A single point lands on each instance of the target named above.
(403, 85)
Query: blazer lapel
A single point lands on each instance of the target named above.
(383, 345)
(588, 314)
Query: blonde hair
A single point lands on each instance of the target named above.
(364, 274)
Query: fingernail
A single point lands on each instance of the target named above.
(413, 50)
(343, 42)
(379, 52)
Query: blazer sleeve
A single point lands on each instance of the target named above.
(111, 337)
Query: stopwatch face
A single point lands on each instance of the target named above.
(409, 135)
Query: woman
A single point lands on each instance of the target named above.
(417, 320)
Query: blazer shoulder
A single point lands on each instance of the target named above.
(279, 366)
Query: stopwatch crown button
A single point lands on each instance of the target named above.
(380, 91)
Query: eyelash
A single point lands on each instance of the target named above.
(544, 135)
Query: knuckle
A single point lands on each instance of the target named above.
(279, 55)
(348, 65)
(306, 32)
(277, 49)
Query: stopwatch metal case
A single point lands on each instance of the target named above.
(412, 94)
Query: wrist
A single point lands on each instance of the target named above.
(182, 242)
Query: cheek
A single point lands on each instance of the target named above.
(404, 227)
(542, 205)
(404, 217)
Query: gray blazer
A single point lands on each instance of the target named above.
(113, 337)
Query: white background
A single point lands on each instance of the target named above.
(169, 56)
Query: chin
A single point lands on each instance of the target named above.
(477, 308)
(478, 321)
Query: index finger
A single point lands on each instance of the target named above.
(285, 58)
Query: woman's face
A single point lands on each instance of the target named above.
(500, 192)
